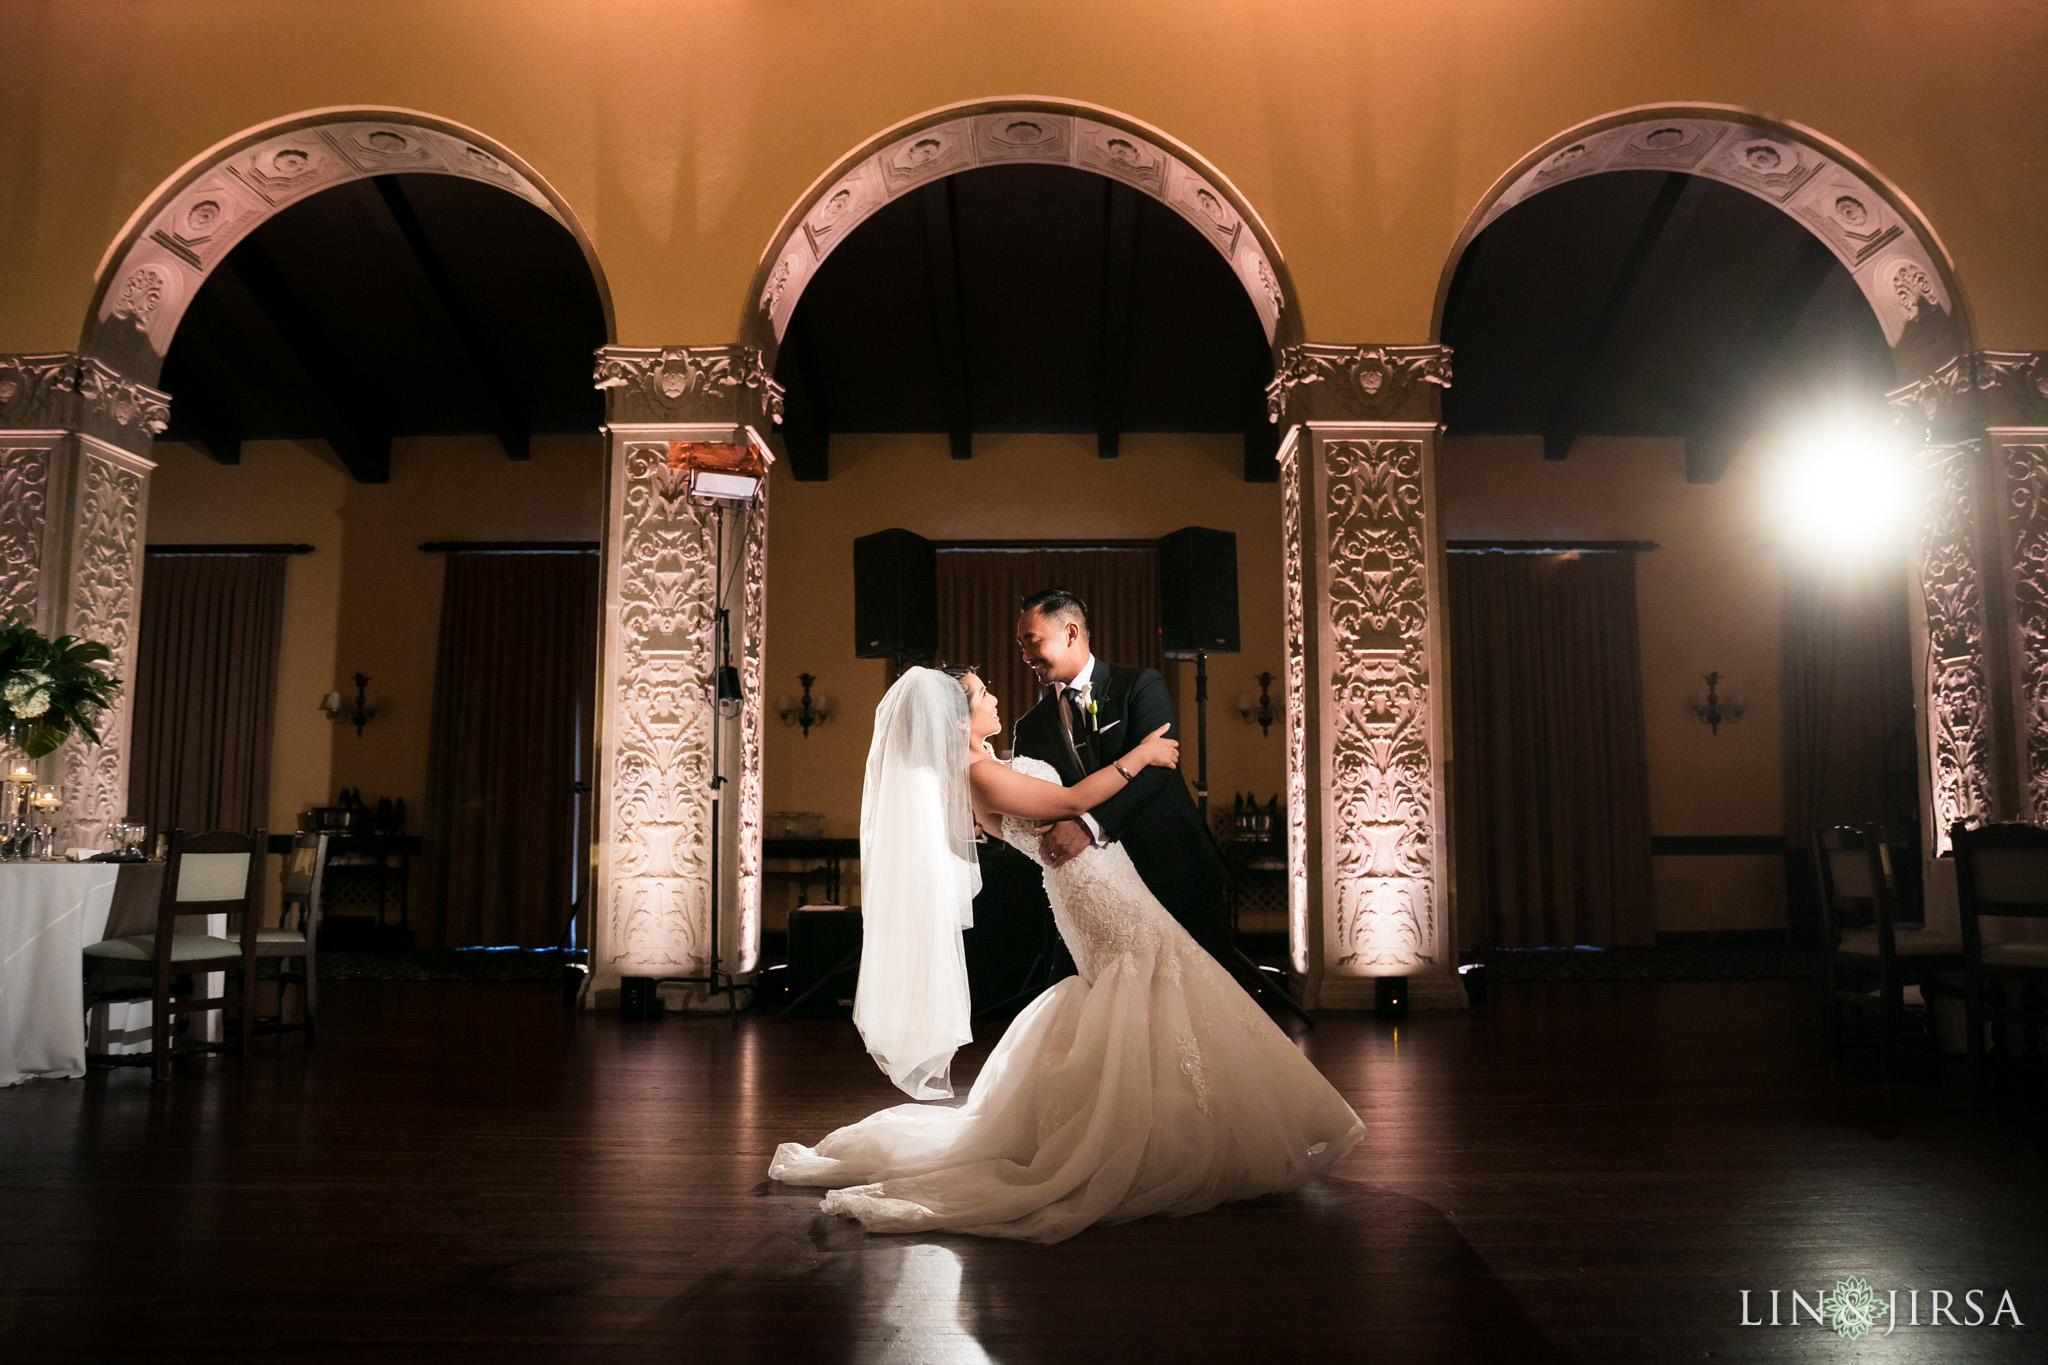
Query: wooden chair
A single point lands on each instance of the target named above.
(2002, 873)
(207, 874)
(296, 937)
(1870, 957)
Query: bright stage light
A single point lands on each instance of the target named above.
(1845, 488)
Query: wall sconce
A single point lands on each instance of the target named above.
(804, 711)
(1264, 713)
(1713, 709)
(358, 713)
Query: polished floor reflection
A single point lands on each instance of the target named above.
(467, 1172)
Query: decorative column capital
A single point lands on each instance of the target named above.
(66, 392)
(652, 385)
(1316, 381)
(1982, 388)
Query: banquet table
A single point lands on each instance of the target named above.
(49, 911)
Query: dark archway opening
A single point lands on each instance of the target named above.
(401, 305)
(1024, 299)
(1616, 319)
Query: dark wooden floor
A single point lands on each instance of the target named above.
(467, 1172)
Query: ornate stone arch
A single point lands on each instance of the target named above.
(181, 232)
(1006, 131)
(1892, 253)
(1881, 238)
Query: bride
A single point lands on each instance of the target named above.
(1149, 1083)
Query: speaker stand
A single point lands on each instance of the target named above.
(715, 979)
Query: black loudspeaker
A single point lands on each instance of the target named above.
(1198, 592)
(824, 960)
(895, 596)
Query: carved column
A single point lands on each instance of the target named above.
(1367, 714)
(1984, 587)
(1955, 640)
(75, 439)
(653, 910)
(2010, 389)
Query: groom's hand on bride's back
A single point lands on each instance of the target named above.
(1061, 841)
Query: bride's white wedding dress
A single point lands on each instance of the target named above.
(1150, 1083)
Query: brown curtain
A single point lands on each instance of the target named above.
(1847, 682)
(1550, 787)
(205, 691)
(980, 587)
(507, 834)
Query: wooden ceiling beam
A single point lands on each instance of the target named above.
(949, 316)
(198, 415)
(1119, 262)
(1568, 413)
(1744, 390)
(495, 375)
(256, 293)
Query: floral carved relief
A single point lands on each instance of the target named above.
(105, 566)
(658, 731)
(1315, 381)
(1999, 387)
(2026, 481)
(1381, 781)
(78, 393)
(24, 506)
(688, 383)
(750, 631)
(1296, 713)
(1958, 688)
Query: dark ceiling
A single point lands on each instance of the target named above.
(1020, 298)
(1643, 304)
(1024, 298)
(406, 305)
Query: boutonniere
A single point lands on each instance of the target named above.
(1092, 707)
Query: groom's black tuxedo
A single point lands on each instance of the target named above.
(1153, 817)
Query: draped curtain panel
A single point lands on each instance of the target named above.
(507, 833)
(1847, 681)
(980, 587)
(1550, 785)
(205, 691)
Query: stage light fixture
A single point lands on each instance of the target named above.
(722, 470)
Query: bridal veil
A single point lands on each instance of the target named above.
(918, 881)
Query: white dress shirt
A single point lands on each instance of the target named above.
(1080, 680)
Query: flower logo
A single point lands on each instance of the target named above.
(1852, 1308)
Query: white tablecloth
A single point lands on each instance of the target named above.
(48, 913)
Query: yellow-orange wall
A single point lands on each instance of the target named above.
(681, 131)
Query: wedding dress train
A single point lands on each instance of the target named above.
(1150, 1083)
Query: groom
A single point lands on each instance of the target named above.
(1096, 713)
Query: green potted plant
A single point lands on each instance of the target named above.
(50, 688)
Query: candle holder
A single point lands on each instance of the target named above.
(15, 826)
(44, 805)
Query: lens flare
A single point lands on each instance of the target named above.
(1845, 489)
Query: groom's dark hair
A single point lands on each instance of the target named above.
(1059, 605)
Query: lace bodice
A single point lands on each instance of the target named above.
(1101, 905)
